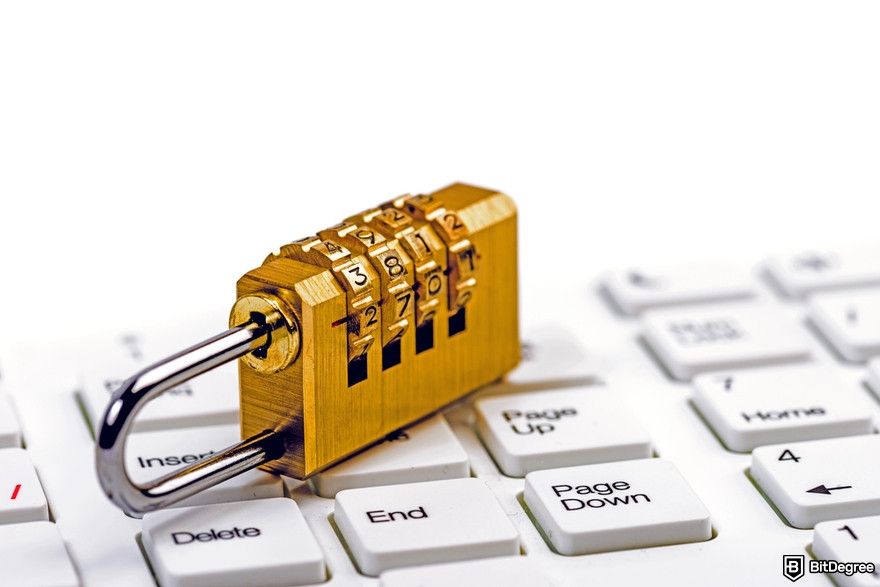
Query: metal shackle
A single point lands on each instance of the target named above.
(251, 337)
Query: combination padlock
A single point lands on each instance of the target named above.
(342, 338)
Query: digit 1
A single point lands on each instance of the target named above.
(424, 242)
(848, 529)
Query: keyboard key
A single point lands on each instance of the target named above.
(551, 354)
(260, 543)
(426, 452)
(850, 321)
(747, 409)
(549, 429)
(874, 375)
(209, 399)
(615, 506)
(509, 571)
(423, 523)
(34, 555)
(819, 480)
(21, 496)
(10, 433)
(806, 272)
(851, 540)
(717, 338)
(152, 454)
(636, 290)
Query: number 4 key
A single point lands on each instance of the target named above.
(820, 480)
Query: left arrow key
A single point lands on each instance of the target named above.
(827, 490)
(21, 496)
(819, 480)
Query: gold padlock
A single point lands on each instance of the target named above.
(343, 338)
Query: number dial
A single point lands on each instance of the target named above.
(462, 255)
(356, 276)
(420, 243)
(393, 219)
(391, 264)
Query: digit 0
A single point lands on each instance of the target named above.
(434, 284)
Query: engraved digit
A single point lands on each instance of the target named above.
(394, 214)
(434, 284)
(403, 303)
(419, 200)
(360, 278)
(371, 313)
(424, 242)
(467, 255)
(332, 247)
(367, 236)
(394, 266)
(452, 222)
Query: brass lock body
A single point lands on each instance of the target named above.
(391, 315)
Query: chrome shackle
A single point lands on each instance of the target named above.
(253, 336)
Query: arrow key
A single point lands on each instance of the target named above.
(820, 480)
(827, 490)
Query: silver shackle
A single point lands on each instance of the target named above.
(135, 499)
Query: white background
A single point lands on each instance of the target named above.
(152, 152)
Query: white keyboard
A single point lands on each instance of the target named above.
(677, 425)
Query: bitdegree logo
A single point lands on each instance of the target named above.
(793, 567)
(848, 569)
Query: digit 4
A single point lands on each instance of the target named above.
(787, 455)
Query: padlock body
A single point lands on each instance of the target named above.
(323, 415)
